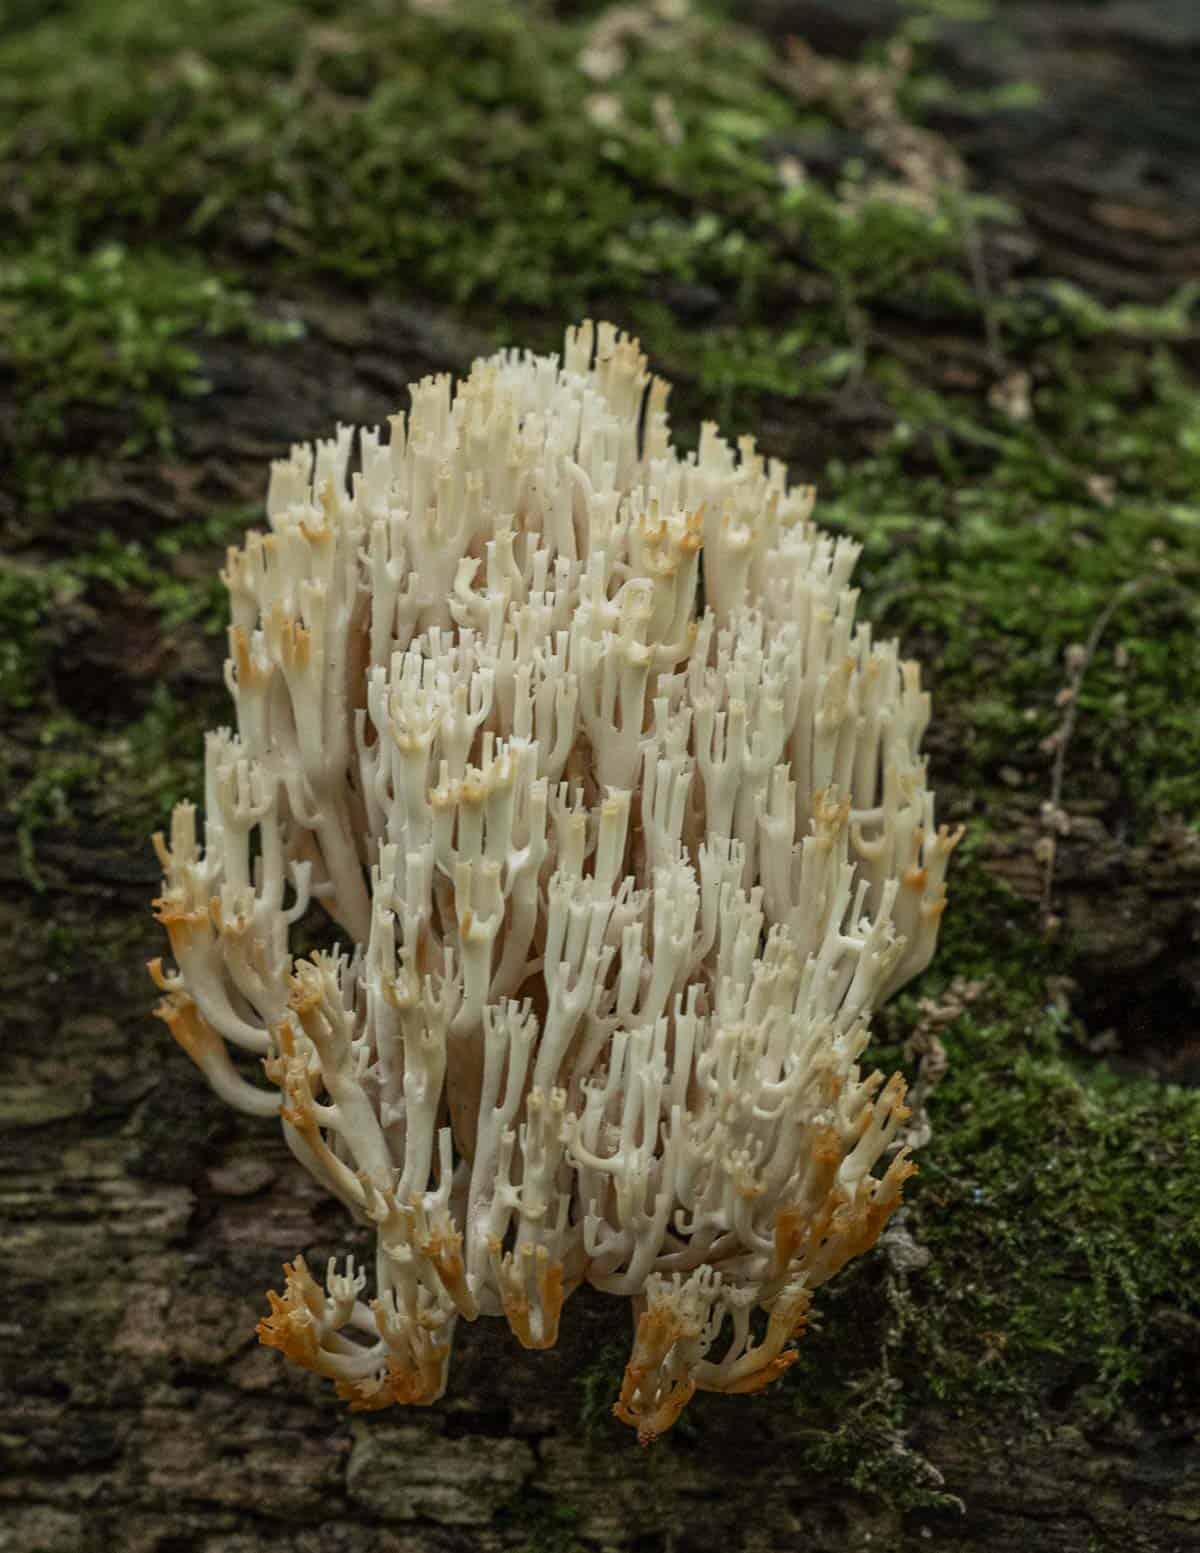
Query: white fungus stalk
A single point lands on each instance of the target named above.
(628, 853)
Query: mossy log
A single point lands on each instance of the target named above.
(1018, 1365)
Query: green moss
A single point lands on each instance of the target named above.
(866, 1452)
(49, 799)
(734, 362)
(163, 754)
(1000, 561)
(131, 566)
(1058, 1208)
(599, 1383)
(339, 140)
(76, 781)
(32, 598)
(544, 1525)
(27, 596)
(1064, 308)
(400, 144)
(112, 327)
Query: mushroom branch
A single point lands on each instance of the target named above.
(618, 849)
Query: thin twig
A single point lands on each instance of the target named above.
(983, 289)
(1062, 739)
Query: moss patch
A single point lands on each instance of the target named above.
(78, 787)
(997, 561)
(113, 327)
(744, 206)
(404, 141)
(1061, 1221)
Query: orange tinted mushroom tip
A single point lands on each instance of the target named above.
(292, 1325)
(396, 1387)
(658, 1420)
(161, 979)
(189, 1027)
(759, 1380)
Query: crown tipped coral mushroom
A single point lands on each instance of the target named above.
(625, 874)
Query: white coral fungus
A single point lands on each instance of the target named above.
(622, 877)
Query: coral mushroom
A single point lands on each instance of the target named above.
(620, 853)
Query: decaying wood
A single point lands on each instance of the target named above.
(138, 1217)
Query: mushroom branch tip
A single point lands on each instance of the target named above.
(574, 739)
